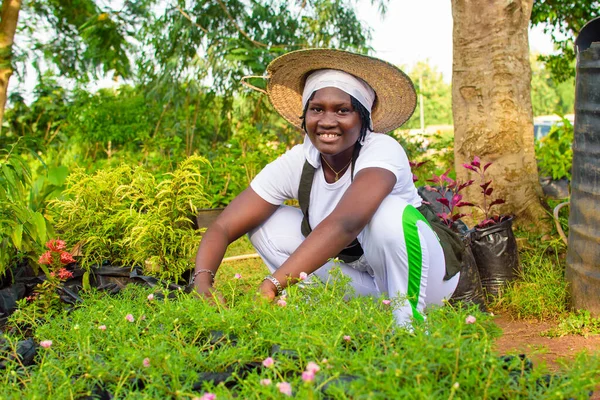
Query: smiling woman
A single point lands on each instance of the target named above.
(357, 184)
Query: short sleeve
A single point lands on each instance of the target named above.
(279, 180)
(382, 151)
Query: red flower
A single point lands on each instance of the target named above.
(56, 245)
(46, 258)
(66, 258)
(63, 273)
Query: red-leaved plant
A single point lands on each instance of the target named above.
(486, 191)
(53, 264)
(449, 188)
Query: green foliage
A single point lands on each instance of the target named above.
(23, 228)
(547, 96)
(437, 97)
(125, 216)
(563, 19)
(434, 153)
(236, 162)
(162, 235)
(578, 323)
(170, 342)
(554, 152)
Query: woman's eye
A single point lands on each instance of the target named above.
(316, 109)
(344, 110)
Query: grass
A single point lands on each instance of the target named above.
(179, 346)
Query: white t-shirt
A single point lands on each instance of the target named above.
(279, 180)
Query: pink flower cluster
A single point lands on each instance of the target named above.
(56, 256)
(311, 369)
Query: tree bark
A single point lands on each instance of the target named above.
(8, 26)
(491, 105)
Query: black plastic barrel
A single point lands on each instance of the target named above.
(583, 256)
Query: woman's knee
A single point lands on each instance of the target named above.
(280, 232)
(385, 227)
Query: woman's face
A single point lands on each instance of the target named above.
(333, 125)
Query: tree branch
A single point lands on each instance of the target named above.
(203, 29)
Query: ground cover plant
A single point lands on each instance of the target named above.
(152, 343)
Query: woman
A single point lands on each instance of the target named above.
(355, 188)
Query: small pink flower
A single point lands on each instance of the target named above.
(151, 296)
(308, 376)
(146, 362)
(143, 317)
(347, 338)
(470, 319)
(64, 274)
(281, 303)
(46, 258)
(46, 343)
(285, 388)
(102, 327)
(386, 302)
(129, 318)
(313, 367)
(268, 362)
(56, 245)
(324, 361)
(303, 276)
(265, 382)
(66, 258)
(237, 276)
(208, 396)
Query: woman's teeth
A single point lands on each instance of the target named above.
(328, 135)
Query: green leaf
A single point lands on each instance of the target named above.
(39, 222)
(58, 175)
(86, 281)
(17, 236)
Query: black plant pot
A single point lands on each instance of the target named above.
(495, 252)
(469, 289)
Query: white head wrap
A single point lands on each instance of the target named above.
(350, 84)
(344, 81)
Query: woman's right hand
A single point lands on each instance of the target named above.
(209, 293)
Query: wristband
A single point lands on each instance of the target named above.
(275, 282)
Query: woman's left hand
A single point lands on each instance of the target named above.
(267, 290)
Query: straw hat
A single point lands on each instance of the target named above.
(396, 98)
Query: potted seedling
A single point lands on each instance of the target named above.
(492, 240)
(445, 198)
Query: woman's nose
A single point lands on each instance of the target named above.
(328, 120)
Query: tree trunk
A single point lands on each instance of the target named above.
(491, 104)
(8, 27)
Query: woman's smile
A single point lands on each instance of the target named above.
(332, 123)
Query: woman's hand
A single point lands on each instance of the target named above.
(267, 290)
(209, 293)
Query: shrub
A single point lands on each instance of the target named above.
(554, 152)
(124, 216)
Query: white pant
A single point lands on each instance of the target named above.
(384, 267)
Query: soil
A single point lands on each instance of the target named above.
(524, 337)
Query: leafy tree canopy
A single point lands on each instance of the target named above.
(159, 43)
(563, 19)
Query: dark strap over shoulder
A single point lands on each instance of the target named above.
(353, 251)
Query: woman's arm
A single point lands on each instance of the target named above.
(244, 213)
(355, 209)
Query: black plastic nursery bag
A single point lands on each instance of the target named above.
(495, 251)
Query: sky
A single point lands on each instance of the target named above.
(417, 30)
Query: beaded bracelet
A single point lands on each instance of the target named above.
(212, 274)
(275, 282)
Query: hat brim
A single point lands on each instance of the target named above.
(395, 101)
